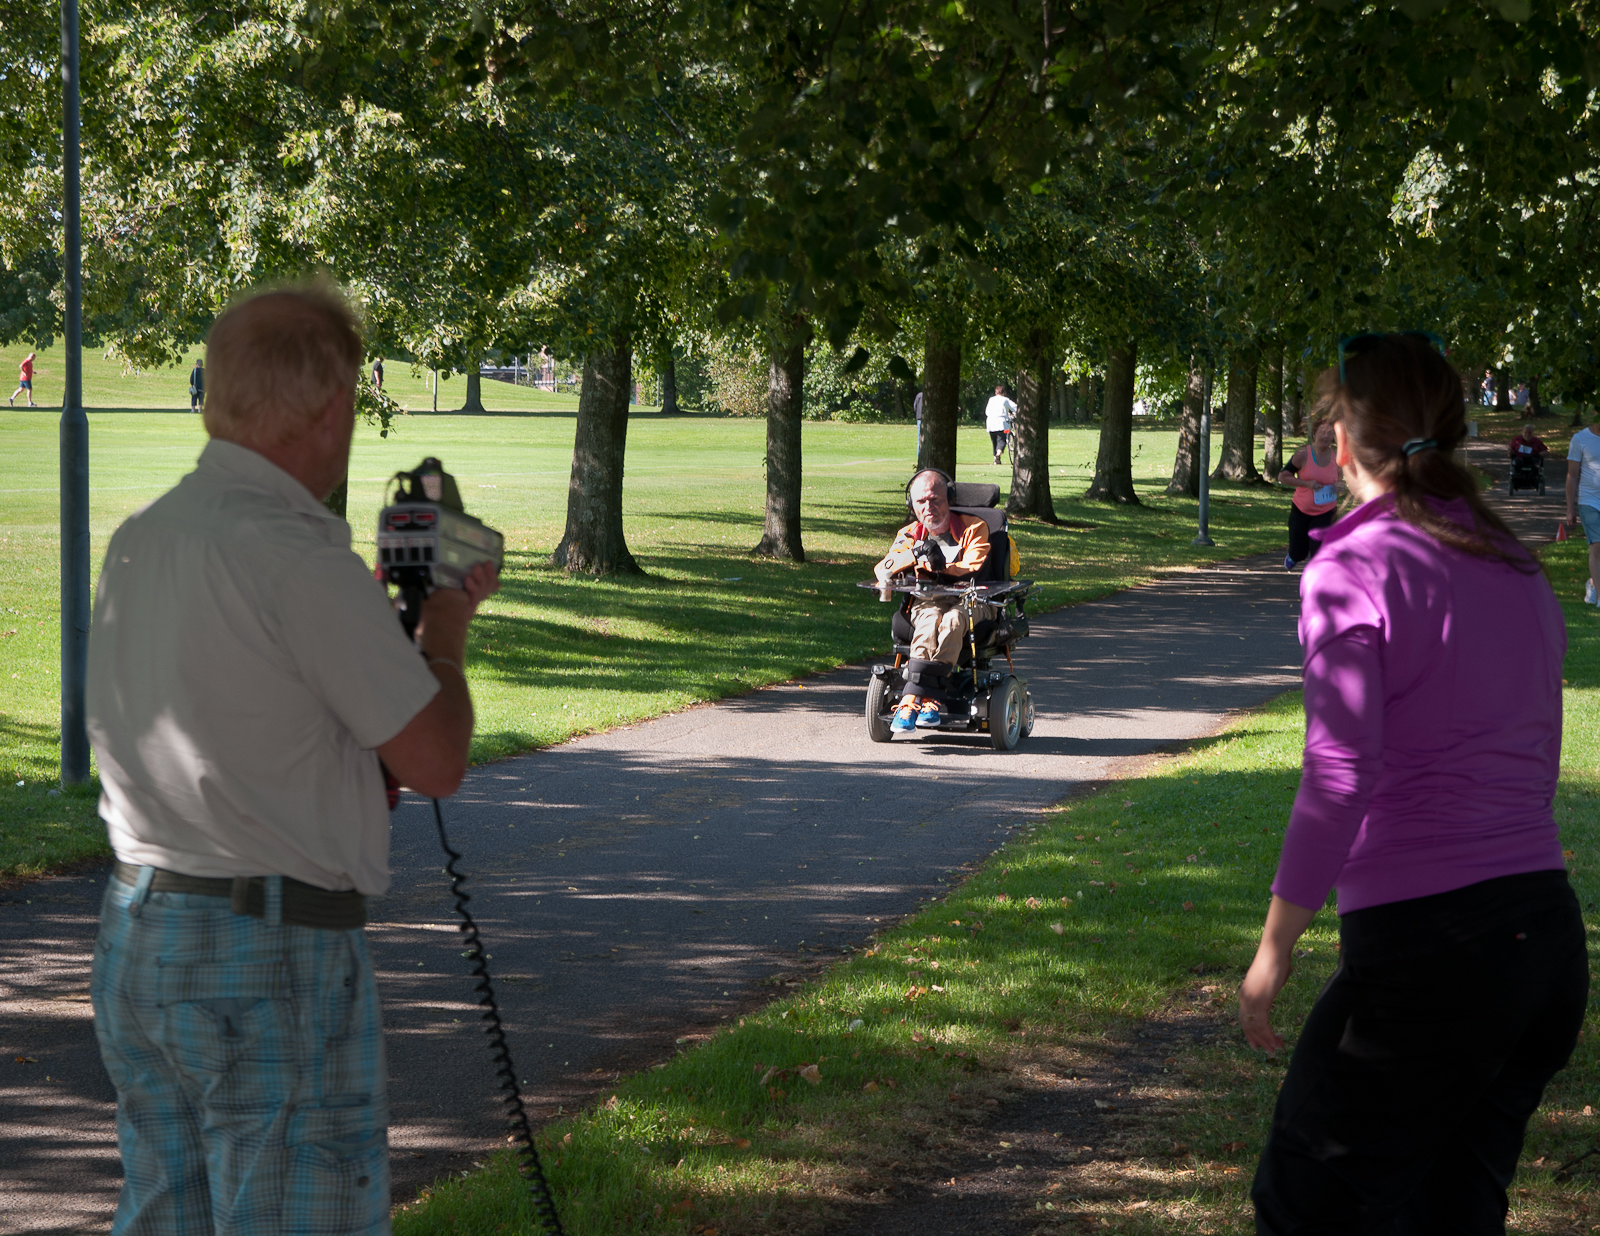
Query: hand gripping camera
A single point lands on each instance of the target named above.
(425, 539)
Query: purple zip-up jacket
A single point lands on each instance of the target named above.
(1433, 717)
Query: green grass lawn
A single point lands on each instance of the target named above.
(107, 384)
(1055, 950)
(552, 655)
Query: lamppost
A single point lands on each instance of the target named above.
(1203, 536)
(74, 436)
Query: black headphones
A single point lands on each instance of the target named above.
(938, 472)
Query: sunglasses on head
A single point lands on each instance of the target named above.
(1354, 345)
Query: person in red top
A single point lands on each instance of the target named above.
(24, 382)
(1527, 443)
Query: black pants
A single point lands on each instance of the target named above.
(997, 439)
(1301, 546)
(1410, 1088)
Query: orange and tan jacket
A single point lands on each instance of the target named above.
(972, 544)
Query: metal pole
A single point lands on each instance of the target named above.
(74, 437)
(1204, 533)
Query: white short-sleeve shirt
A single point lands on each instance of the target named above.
(1585, 449)
(243, 666)
(997, 413)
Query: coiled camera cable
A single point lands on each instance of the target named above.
(532, 1171)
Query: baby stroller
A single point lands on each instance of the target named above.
(1527, 472)
(980, 697)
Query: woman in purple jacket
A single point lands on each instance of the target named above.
(1425, 799)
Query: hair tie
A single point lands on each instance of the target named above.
(1418, 444)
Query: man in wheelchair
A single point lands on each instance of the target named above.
(939, 545)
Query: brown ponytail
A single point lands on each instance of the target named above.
(1401, 407)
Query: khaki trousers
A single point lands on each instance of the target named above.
(938, 626)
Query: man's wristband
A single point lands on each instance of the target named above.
(455, 665)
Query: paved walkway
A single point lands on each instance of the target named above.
(640, 886)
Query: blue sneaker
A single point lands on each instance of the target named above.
(930, 718)
(1288, 562)
(903, 722)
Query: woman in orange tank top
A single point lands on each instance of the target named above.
(1314, 477)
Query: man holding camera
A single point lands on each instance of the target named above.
(246, 676)
(938, 545)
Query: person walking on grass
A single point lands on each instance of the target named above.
(1314, 476)
(1583, 500)
(197, 385)
(24, 382)
(1425, 798)
(997, 419)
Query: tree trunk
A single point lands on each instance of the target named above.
(785, 398)
(1186, 466)
(474, 401)
(1502, 391)
(1272, 440)
(941, 399)
(1030, 437)
(1535, 408)
(1113, 468)
(593, 542)
(1237, 461)
(669, 384)
(1297, 387)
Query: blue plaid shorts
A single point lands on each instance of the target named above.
(249, 1067)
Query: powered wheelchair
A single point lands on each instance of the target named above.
(1527, 472)
(978, 696)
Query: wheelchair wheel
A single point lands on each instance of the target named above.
(1007, 706)
(1541, 486)
(877, 724)
(1511, 483)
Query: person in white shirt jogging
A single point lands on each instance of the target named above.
(1583, 499)
(997, 418)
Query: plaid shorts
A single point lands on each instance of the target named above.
(249, 1067)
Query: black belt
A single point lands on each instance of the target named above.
(304, 905)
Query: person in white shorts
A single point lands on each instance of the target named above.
(1583, 499)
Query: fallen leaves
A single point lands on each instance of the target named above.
(811, 1074)
(871, 1087)
(1033, 903)
(1100, 1105)
(1187, 906)
(1233, 1148)
(27, 1060)
(1058, 928)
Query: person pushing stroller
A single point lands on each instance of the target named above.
(938, 544)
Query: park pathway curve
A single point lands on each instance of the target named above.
(637, 887)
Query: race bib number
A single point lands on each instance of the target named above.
(1322, 495)
(1526, 450)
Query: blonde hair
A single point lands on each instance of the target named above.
(277, 356)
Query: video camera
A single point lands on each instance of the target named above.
(427, 541)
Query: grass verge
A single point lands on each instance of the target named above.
(1128, 909)
(553, 655)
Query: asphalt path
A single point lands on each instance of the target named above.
(636, 888)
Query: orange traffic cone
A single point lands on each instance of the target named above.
(1561, 530)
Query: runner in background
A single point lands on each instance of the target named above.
(1314, 476)
(1583, 499)
(24, 382)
